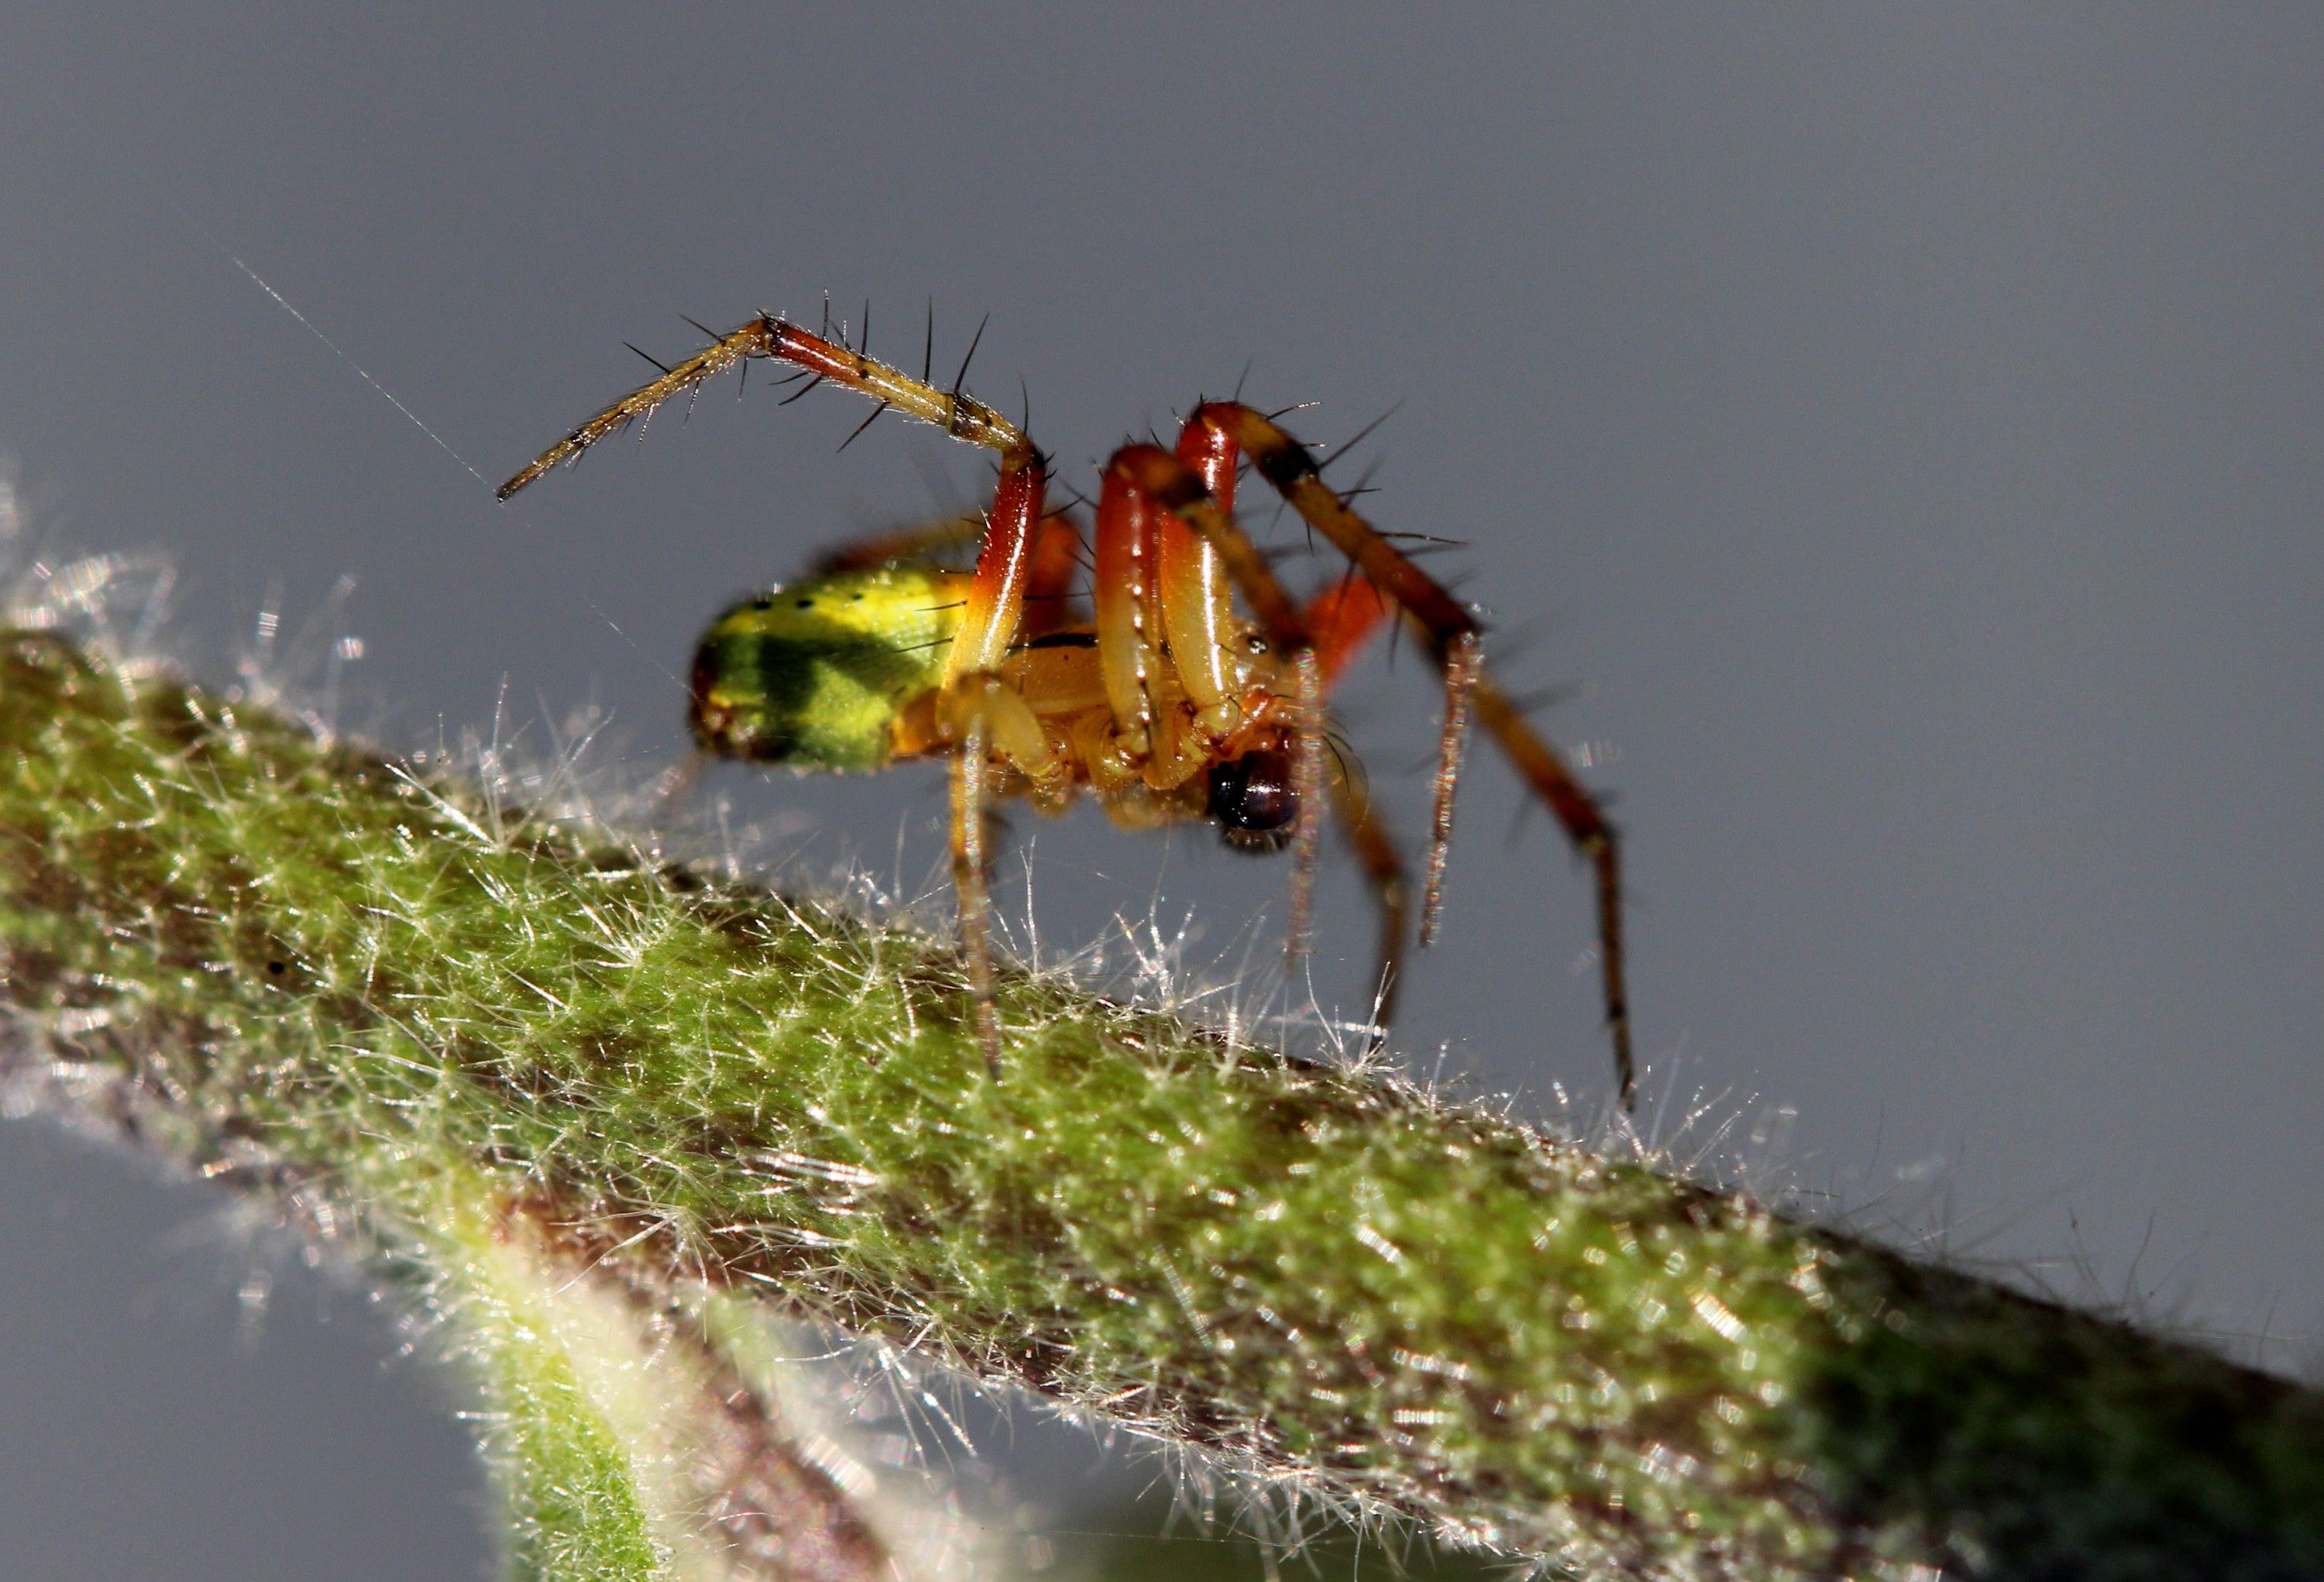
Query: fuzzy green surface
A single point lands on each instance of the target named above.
(573, 1505)
(1322, 1273)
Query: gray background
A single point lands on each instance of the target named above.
(1898, 423)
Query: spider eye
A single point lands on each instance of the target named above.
(1253, 800)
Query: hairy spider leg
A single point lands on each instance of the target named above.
(1197, 607)
(961, 415)
(1140, 589)
(971, 702)
(971, 885)
(1341, 618)
(1383, 866)
(1150, 473)
(1213, 456)
(986, 715)
(1193, 543)
(1129, 639)
(1586, 825)
(1452, 631)
(1004, 564)
(988, 719)
(1453, 637)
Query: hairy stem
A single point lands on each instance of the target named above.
(630, 1443)
(1318, 1276)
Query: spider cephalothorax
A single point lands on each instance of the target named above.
(1165, 701)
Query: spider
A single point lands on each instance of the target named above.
(1170, 704)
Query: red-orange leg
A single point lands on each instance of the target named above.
(1284, 463)
(988, 629)
(1004, 569)
(1170, 482)
(1153, 474)
(1129, 639)
(1164, 623)
(1194, 593)
(1383, 867)
(1592, 837)
(1198, 599)
(1341, 619)
(1057, 560)
(1453, 635)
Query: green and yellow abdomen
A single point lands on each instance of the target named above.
(817, 674)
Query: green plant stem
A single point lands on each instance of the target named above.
(1319, 1276)
(575, 1506)
(628, 1443)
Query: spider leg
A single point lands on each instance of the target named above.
(988, 720)
(1454, 636)
(971, 886)
(1461, 660)
(1453, 633)
(1341, 619)
(978, 705)
(1171, 700)
(1049, 585)
(1592, 836)
(1308, 784)
(1383, 867)
(1196, 594)
(1170, 482)
(1151, 473)
(962, 416)
(1129, 635)
(1004, 569)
